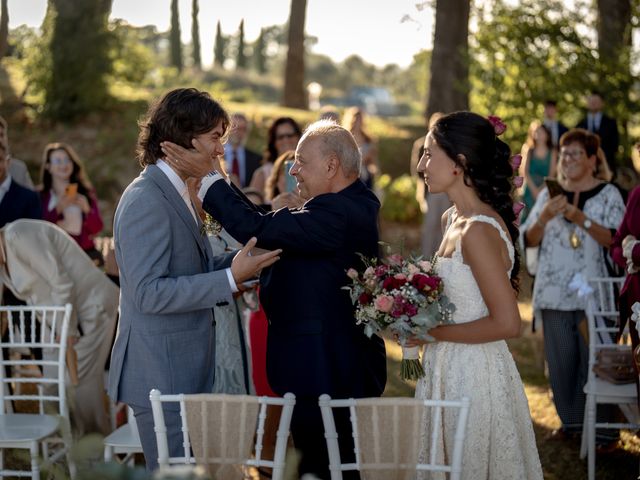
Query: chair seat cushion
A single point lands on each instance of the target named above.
(123, 437)
(23, 427)
(602, 388)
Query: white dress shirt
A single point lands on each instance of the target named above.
(183, 191)
(240, 158)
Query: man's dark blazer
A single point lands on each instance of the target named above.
(19, 202)
(609, 137)
(314, 345)
(252, 162)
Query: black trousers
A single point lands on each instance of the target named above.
(308, 438)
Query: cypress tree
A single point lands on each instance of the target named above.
(219, 48)
(241, 58)
(195, 35)
(259, 53)
(174, 37)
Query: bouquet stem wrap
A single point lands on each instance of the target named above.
(411, 367)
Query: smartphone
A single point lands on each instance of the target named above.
(71, 190)
(291, 184)
(553, 186)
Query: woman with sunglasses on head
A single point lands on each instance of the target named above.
(68, 198)
(283, 136)
(573, 225)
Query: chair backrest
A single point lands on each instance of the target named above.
(51, 336)
(220, 429)
(603, 315)
(394, 434)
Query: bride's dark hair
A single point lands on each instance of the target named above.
(486, 166)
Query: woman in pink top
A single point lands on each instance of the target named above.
(68, 198)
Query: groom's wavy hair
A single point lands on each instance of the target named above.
(177, 117)
(470, 141)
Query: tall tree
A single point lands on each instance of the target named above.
(241, 58)
(220, 47)
(78, 41)
(449, 82)
(195, 35)
(174, 37)
(614, 52)
(294, 92)
(4, 29)
(259, 53)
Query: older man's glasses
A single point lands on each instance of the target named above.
(573, 154)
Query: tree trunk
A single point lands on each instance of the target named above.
(449, 82)
(195, 36)
(4, 29)
(614, 27)
(614, 49)
(294, 92)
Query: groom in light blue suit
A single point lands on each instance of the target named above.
(169, 279)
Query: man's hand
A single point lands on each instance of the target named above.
(244, 266)
(195, 162)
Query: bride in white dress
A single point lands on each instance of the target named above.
(478, 263)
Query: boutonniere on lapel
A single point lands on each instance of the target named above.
(210, 226)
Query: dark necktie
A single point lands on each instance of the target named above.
(235, 166)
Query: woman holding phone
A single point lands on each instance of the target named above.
(68, 198)
(573, 228)
(280, 190)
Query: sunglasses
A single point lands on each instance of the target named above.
(283, 136)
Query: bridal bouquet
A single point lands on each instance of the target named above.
(401, 295)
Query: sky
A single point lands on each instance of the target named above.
(372, 29)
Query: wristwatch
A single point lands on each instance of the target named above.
(587, 223)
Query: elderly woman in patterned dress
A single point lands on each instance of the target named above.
(573, 229)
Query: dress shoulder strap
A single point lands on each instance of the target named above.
(507, 240)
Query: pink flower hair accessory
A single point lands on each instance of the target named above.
(516, 161)
(498, 125)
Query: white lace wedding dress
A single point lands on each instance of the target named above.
(499, 442)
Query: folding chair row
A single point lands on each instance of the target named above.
(51, 425)
(226, 431)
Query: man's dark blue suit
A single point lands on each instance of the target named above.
(313, 345)
(19, 202)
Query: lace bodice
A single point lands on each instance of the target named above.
(460, 285)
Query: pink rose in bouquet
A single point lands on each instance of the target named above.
(404, 296)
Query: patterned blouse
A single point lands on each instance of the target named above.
(558, 261)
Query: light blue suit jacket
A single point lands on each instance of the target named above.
(169, 284)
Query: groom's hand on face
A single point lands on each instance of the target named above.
(195, 162)
(245, 266)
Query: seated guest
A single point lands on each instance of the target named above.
(68, 199)
(42, 265)
(16, 201)
(240, 161)
(277, 192)
(283, 136)
(17, 168)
